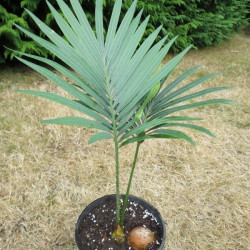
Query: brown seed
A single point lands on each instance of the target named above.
(140, 238)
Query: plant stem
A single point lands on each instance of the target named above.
(115, 138)
(116, 155)
(117, 180)
(116, 164)
(129, 183)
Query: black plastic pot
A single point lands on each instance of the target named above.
(112, 197)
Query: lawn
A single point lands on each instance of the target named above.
(49, 173)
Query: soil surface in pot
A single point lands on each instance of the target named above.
(95, 230)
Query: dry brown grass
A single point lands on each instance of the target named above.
(49, 173)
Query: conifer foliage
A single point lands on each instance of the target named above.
(199, 22)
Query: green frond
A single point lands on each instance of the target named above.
(115, 74)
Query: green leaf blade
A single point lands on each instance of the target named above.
(166, 103)
(190, 106)
(151, 124)
(71, 75)
(190, 126)
(99, 22)
(77, 121)
(162, 133)
(113, 24)
(66, 102)
(99, 137)
(174, 83)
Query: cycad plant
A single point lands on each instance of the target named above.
(118, 82)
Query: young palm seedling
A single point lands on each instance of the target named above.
(118, 83)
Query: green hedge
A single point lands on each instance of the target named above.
(199, 22)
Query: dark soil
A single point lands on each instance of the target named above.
(95, 230)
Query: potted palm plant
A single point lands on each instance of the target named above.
(120, 84)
